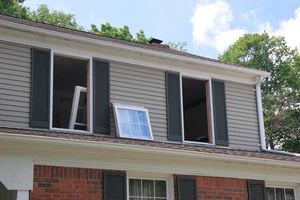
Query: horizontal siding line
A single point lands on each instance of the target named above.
(14, 114)
(14, 124)
(13, 103)
(15, 68)
(14, 108)
(238, 91)
(15, 93)
(238, 95)
(160, 77)
(239, 86)
(136, 87)
(14, 88)
(241, 131)
(135, 68)
(241, 126)
(243, 123)
(147, 106)
(140, 96)
(242, 103)
(246, 143)
(15, 83)
(246, 116)
(120, 76)
(231, 105)
(140, 102)
(138, 82)
(246, 135)
(14, 98)
(14, 119)
(15, 46)
(135, 91)
(15, 55)
(13, 62)
(246, 111)
(244, 99)
(159, 112)
(14, 52)
(233, 119)
(15, 58)
(14, 78)
(15, 73)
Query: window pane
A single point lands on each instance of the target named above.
(132, 116)
(270, 193)
(160, 189)
(145, 131)
(135, 131)
(125, 130)
(289, 194)
(134, 187)
(148, 188)
(123, 115)
(142, 117)
(279, 193)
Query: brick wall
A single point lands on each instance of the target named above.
(221, 188)
(66, 183)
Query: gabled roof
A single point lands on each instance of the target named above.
(6, 21)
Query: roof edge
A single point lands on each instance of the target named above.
(145, 50)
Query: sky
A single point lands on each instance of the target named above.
(208, 26)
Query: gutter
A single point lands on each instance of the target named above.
(149, 52)
(75, 143)
(260, 113)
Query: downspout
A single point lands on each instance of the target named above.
(260, 113)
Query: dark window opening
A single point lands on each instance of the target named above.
(69, 88)
(195, 108)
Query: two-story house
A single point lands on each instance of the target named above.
(85, 117)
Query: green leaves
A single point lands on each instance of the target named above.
(281, 91)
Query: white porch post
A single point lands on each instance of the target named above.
(23, 195)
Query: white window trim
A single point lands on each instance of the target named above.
(116, 106)
(204, 78)
(283, 187)
(169, 183)
(89, 89)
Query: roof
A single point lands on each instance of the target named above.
(268, 155)
(154, 47)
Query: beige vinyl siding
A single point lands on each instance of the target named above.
(15, 75)
(141, 86)
(242, 116)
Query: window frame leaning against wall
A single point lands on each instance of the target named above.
(209, 110)
(89, 66)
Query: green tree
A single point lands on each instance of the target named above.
(57, 18)
(281, 91)
(13, 8)
(123, 33)
(179, 46)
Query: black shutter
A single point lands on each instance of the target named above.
(186, 187)
(173, 106)
(256, 190)
(114, 186)
(40, 88)
(101, 97)
(220, 116)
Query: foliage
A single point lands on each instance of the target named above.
(179, 46)
(122, 33)
(281, 91)
(13, 8)
(57, 18)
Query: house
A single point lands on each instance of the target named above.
(94, 118)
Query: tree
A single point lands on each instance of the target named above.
(281, 91)
(123, 33)
(179, 46)
(13, 8)
(57, 18)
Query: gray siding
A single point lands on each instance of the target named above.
(15, 65)
(141, 86)
(242, 116)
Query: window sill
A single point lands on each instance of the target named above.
(198, 143)
(71, 131)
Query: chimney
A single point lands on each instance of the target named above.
(158, 43)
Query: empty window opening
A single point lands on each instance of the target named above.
(69, 93)
(195, 106)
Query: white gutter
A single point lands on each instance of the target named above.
(260, 114)
(75, 143)
(148, 52)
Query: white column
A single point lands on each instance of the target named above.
(23, 195)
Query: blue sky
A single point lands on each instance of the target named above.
(208, 26)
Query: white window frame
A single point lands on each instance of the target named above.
(116, 106)
(274, 186)
(89, 60)
(209, 80)
(167, 180)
